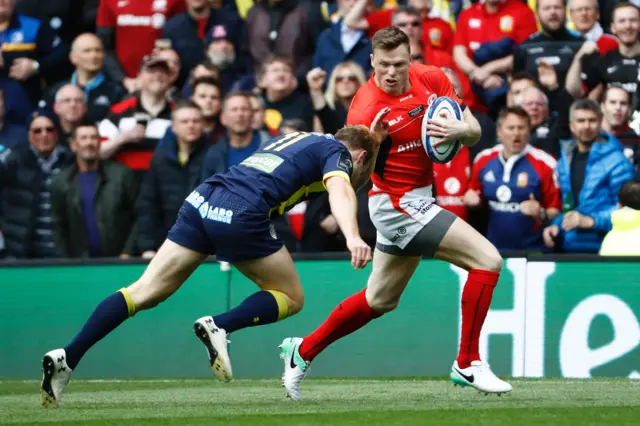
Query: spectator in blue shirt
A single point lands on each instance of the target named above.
(591, 170)
(240, 141)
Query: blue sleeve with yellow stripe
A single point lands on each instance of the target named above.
(337, 162)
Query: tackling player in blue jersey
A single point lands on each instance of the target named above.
(229, 215)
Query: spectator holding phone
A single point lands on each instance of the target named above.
(132, 130)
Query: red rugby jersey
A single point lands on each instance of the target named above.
(402, 163)
(138, 24)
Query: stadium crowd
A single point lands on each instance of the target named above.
(112, 111)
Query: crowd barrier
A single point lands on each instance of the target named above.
(551, 317)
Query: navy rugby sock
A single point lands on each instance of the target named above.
(263, 307)
(107, 316)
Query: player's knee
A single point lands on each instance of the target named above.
(381, 303)
(295, 303)
(492, 261)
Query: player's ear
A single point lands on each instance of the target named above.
(371, 58)
(361, 156)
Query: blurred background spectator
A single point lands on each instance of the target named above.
(133, 128)
(241, 139)
(70, 107)
(93, 202)
(591, 170)
(616, 111)
(331, 106)
(25, 178)
(339, 43)
(517, 180)
(282, 101)
(129, 30)
(87, 55)
(31, 51)
(171, 177)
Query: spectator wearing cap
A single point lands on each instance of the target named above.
(133, 128)
(624, 237)
(175, 65)
(191, 33)
(222, 53)
(93, 202)
(31, 51)
(25, 178)
(11, 135)
(173, 174)
(129, 31)
(339, 43)
(100, 93)
(282, 101)
(70, 108)
(591, 170)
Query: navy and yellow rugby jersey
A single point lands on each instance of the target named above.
(287, 170)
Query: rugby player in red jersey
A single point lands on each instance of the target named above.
(409, 223)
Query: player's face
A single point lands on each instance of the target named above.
(392, 69)
(207, 97)
(585, 125)
(514, 134)
(187, 124)
(584, 14)
(237, 115)
(86, 143)
(516, 89)
(615, 107)
(551, 14)
(533, 102)
(625, 25)
(409, 24)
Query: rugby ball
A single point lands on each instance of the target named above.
(442, 153)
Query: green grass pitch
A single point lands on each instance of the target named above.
(406, 402)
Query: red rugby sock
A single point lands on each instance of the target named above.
(476, 298)
(350, 315)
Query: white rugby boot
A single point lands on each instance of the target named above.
(295, 368)
(215, 340)
(55, 377)
(480, 377)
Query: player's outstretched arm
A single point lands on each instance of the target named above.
(344, 207)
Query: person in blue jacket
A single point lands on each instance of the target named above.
(591, 171)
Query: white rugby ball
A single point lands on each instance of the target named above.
(445, 152)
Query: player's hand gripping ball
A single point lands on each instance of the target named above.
(438, 151)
